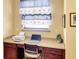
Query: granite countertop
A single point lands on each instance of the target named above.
(50, 43)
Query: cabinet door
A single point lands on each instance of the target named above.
(10, 51)
(53, 53)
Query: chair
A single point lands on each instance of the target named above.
(31, 52)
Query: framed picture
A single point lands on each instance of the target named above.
(72, 19)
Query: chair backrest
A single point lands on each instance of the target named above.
(31, 47)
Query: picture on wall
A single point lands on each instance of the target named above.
(73, 19)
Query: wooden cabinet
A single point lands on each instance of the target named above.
(16, 51)
(52, 53)
(10, 51)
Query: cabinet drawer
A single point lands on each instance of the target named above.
(54, 51)
(53, 56)
(10, 45)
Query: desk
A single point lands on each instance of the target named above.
(50, 43)
(48, 47)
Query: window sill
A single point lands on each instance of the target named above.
(37, 29)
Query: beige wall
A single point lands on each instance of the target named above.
(55, 28)
(17, 21)
(71, 31)
(8, 18)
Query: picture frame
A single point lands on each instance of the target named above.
(73, 19)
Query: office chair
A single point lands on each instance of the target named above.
(31, 52)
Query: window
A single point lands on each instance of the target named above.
(35, 14)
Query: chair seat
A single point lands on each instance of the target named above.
(32, 55)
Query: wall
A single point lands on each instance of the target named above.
(71, 31)
(8, 18)
(55, 28)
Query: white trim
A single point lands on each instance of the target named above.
(64, 6)
(36, 29)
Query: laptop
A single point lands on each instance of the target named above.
(35, 39)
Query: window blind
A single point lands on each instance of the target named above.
(35, 13)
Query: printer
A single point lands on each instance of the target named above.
(19, 37)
